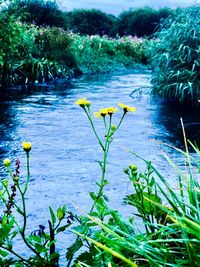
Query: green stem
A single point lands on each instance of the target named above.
(22, 232)
(28, 173)
(93, 128)
(16, 254)
(102, 183)
(120, 121)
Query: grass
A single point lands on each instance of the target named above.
(175, 58)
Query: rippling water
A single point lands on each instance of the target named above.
(65, 154)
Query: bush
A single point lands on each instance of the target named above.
(39, 12)
(176, 57)
(141, 22)
(95, 54)
(90, 22)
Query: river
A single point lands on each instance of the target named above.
(64, 156)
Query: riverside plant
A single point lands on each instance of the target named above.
(40, 243)
(170, 218)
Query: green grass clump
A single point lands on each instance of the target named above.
(176, 57)
(95, 54)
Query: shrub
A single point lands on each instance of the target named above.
(176, 57)
(141, 22)
(90, 22)
(95, 54)
(40, 12)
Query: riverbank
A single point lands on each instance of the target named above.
(39, 55)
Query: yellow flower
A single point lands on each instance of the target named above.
(6, 162)
(127, 108)
(106, 111)
(111, 110)
(101, 113)
(83, 102)
(26, 146)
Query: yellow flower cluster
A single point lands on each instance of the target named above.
(83, 102)
(26, 146)
(127, 108)
(105, 111)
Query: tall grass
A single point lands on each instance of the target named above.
(176, 57)
(95, 54)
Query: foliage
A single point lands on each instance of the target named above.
(95, 54)
(175, 58)
(39, 12)
(31, 54)
(90, 22)
(170, 219)
(141, 22)
(13, 222)
(12, 35)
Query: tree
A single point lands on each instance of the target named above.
(91, 22)
(39, 12)
(141, 22)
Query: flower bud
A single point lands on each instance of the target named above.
(133, 167)
(6, 162)
(126, 170)
(16, 179)
(60, 213)
(5, 182)
(113, 127)
(26, 146)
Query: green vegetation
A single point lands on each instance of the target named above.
(40, 43)
(141, 22)
(39, 12)
(95, 54)
(29, 54)
(90, 22)
(170, 217)
(176, 57)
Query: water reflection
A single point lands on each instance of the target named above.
(167, 118)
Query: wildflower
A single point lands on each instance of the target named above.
(6, 162)
(106, 111)
(26, 146)
(127, 108)
(101, 113)
(111, 110)
(83, 102)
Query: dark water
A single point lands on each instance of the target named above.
(65, 154)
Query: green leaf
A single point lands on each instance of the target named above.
(62, 228)
(35, 238)
(142, 204)
(3, 253)
(53, 217)
(74, 248)
(40, 248)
